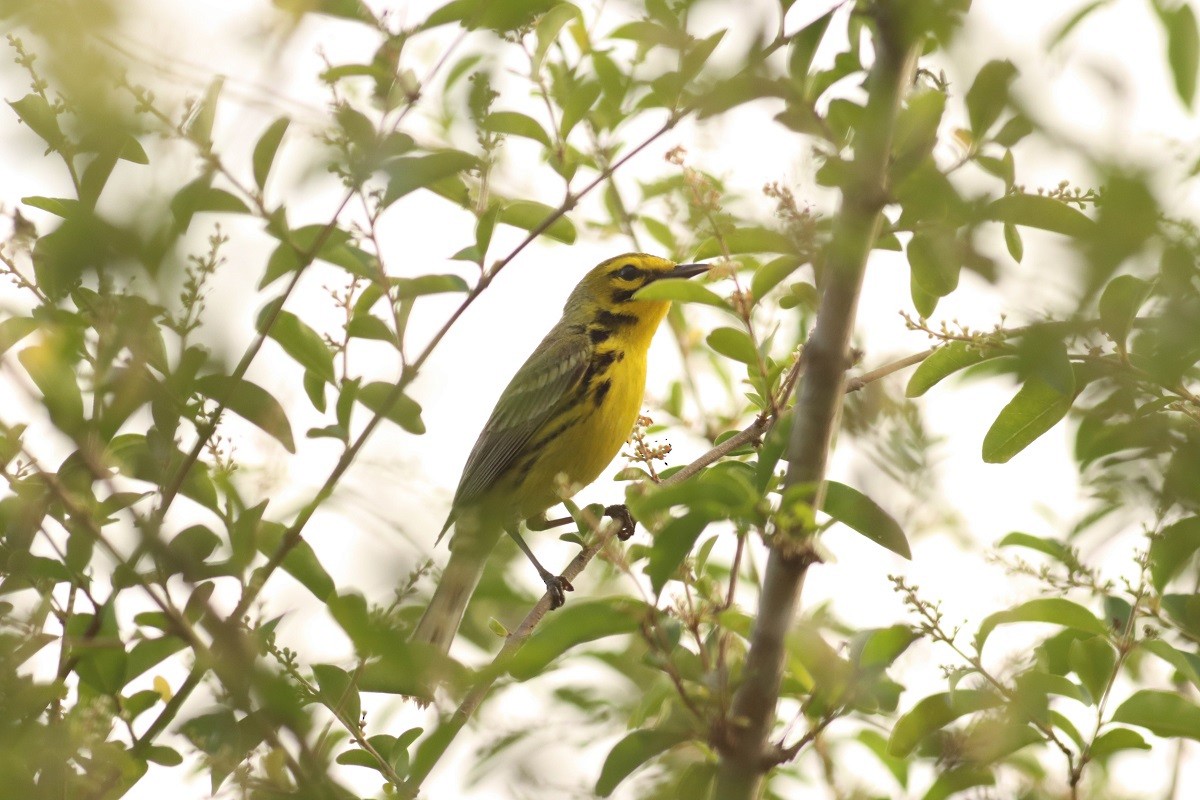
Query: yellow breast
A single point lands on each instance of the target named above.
(602, 425)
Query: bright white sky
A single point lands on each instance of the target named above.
(1107, 86)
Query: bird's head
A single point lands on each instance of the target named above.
(606, 293)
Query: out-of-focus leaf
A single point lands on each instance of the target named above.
(1119, 304)
(1172, 549)
(266, 149)
(935, 261)
(1166, 714)
(301, 561)
(860, 513)
(934, 713)
(250, 402)
(299, 341)
(515, 123)
(1044, 213)
(573, 625)
(682, 290)
(404, 411)
(1036, 408)
(632, 752)
(530, 214)
(945, 361)
(671, 546)
(1053, 610)
(988, 95)
(409, 173)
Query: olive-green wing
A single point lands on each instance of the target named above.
(532, 397)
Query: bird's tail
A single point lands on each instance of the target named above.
(443, 615)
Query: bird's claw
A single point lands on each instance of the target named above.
(556, 587)
(620, 513)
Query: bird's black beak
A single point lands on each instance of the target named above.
(687, 270)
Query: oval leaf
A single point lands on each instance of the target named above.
(934, 713)
(860, 513)
(1036, 408)
(683, 291)
(575, 624)
(1039, 211)
(1054, 610)
(252, 403)
(632, 752)
(1167, 714)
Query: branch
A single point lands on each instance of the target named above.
(744, 747)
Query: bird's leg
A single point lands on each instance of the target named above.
(618, 512)
(556, 585)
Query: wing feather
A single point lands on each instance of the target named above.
(532, 397)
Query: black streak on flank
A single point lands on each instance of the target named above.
(598, 335)
(601, 390)
(607, 319)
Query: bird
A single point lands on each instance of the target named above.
(561, 420)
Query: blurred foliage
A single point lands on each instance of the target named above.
(136, 546)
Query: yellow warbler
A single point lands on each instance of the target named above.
(564, 415)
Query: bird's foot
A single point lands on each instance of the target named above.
(620, 513)
(556, 587)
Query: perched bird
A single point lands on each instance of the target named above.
(565, 414)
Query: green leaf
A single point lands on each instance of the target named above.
(35, 112)
(988, 95)
(735, 344)
(746, 240)
(266, 149)
(1115, 740)
(515, 123)
(530, 214)
(1183, 50)
(1012, 240)
(298, 248)
(957, 779)
(252, 403)
(407, 174)
(337, 690)
(1051, 547)
(772, 273)
(1093, 660)
(1054, 610)
(632, 752)
(944, 362)
(200, 196)
(682, 290)
(671, 546)
(1184, 663)
(916, 130)
(1167, 714)
(368, 326)
(548, 29)
(860, 513)
(573, 625)
(148, 653)
(408, 288)
(299, 341)
(164, 756)
(934, 713)
(13, 330)
(52, 371)
(1036, 408)
(404, 411)
(301, 561)
(804, 46)
(1041, 212)
(1119, 304)
(58, 206)
(1172, 550)
(935, 261)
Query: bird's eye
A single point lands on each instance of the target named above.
(628, 272)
